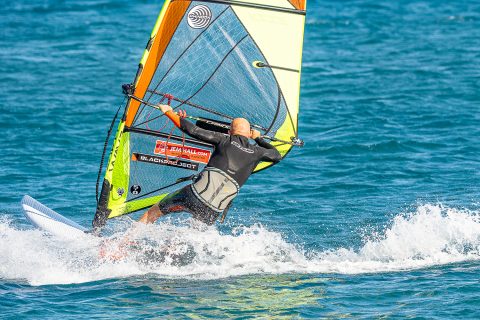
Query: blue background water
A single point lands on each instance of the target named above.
(377, 216)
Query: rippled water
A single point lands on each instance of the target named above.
(377, 216)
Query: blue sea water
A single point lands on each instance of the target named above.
(378, 216)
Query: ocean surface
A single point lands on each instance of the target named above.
(377, 217)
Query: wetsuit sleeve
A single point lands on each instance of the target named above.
(199, 133)
(270, 154)
(264, 144)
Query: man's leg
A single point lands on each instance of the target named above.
(174, 202)
(151, 215)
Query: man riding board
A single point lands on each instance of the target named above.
(232, 162)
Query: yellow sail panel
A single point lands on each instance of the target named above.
(118, 171)
(279, 36)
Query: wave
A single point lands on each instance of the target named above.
(431, 235)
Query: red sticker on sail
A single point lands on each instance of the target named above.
(183, 152)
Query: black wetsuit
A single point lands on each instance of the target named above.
(233, 155)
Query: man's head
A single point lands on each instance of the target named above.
(241, 127)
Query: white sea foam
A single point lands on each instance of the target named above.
(432, 235)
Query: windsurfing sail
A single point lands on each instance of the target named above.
(217, 60)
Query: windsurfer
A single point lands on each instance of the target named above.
(233, 161)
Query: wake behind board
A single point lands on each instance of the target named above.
(50, 221)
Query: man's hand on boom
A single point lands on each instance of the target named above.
(164, 108)
(254, 134)
(175, 117)
(182, 113)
